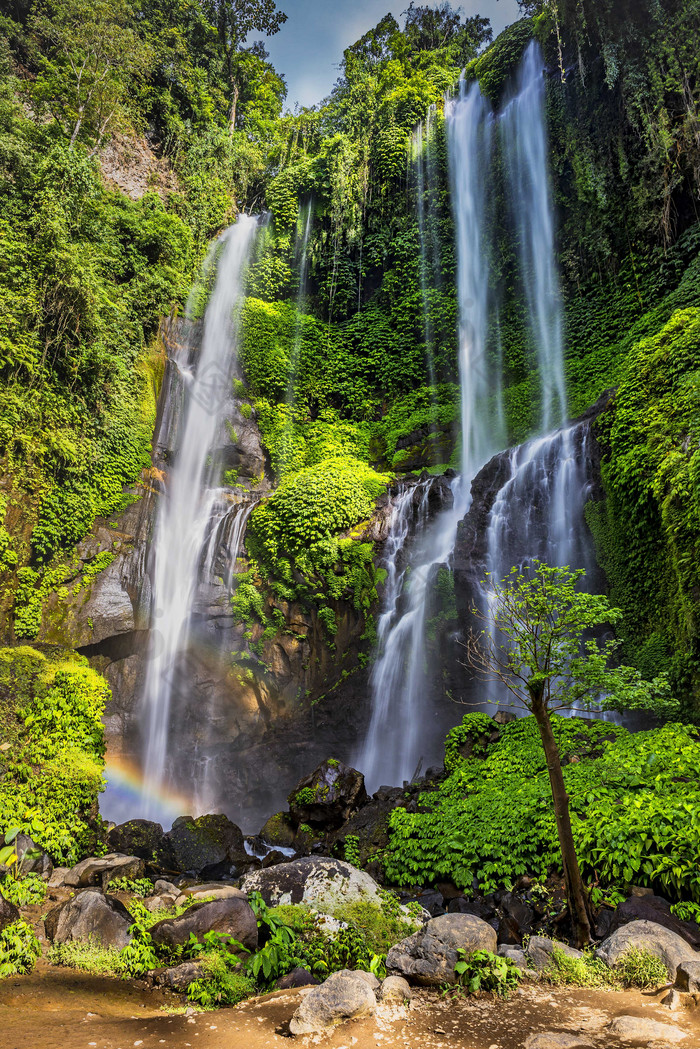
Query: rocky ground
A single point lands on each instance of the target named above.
(59, 1009)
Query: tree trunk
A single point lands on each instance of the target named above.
(575, 892)
(235, 91)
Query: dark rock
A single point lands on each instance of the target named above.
(431, 901)
(141, 838)
(30, 858)
(202, 843)
(100, 870)
(479, 908)
(655, 909)
(369, 825)
(296, 978)
(429, 956)
(604, 923)
(328, 796)
(278, 830)
(516, 919)
(90, 914)
(8, 913)
(688, 977)
(232, 916)
(273, 858)
(449, 891)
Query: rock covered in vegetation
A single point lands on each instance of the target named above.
(671, 948)
(142, 838)
(540, 950)
(100, 870)
(90, 914)
(429, 956)
(278, 830)
(328, 796)
(232, 916)
(343, 996)
(319, 882)
(205, 842)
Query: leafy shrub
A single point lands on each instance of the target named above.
(633, 801)
(640, 968)
(483, 971)
(586, 971)
(19, 949)
(24, 890)
(140, 887)
(88, 956)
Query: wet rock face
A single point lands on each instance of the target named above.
(328, 796)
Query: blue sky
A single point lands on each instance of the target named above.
(310, 45)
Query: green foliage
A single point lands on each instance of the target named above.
(587, 971)
(24, 890)
(483, 971)
(19, 949)
(220, 987)
(139, 887)
(88, 956)
(51, 710)
(351, 850)
(640, 968)
(634, 810)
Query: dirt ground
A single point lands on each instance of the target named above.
(62, 1009)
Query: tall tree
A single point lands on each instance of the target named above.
(538, 643)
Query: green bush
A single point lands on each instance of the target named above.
(24, 890)
(88, 956)
(19, 949)
(484, 971)
(640, 968)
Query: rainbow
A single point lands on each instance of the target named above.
(124, 793)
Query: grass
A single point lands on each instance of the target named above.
(88, 956)
(636, 968)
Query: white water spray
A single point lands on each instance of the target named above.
(187, 509)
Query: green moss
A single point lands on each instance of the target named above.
(51, 774)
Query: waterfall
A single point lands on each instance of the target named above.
(302, 250)
(190, 508)
(420, 144)
(398, 733)
(524, 140)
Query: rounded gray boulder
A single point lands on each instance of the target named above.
(429, 956)
(232, 916)
(671, 948)
(90, 915)
(343, 996)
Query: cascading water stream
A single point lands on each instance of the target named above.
(524, 142)
(187, 509)
(400, 679)
(303, 237)
(419, 146)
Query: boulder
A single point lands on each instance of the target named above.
(30, 858)
(316, 881)
(659, 941)
(431, 901)
(540, 950)
(369, 978)
(205, 842)
(638, 1030)
(688, 976)
(90, 914)
(8, 913)
(343, 996)
(516, 920)
(273, 858)
(141, 838)
(557, 1040)
(296, 978)
(429, 956)
(395, 989)
(211, 891)
(163, 886)
(480, 908)
(232, 916)
(58, 877)
(278, 830)
(655, 909)
(328, 796)
(178, 977)
(100, 870)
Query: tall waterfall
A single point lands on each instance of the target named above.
(302, 251)
(400, 679)
(192, 508)
(524, 140)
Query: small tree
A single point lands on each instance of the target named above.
(538, 642)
